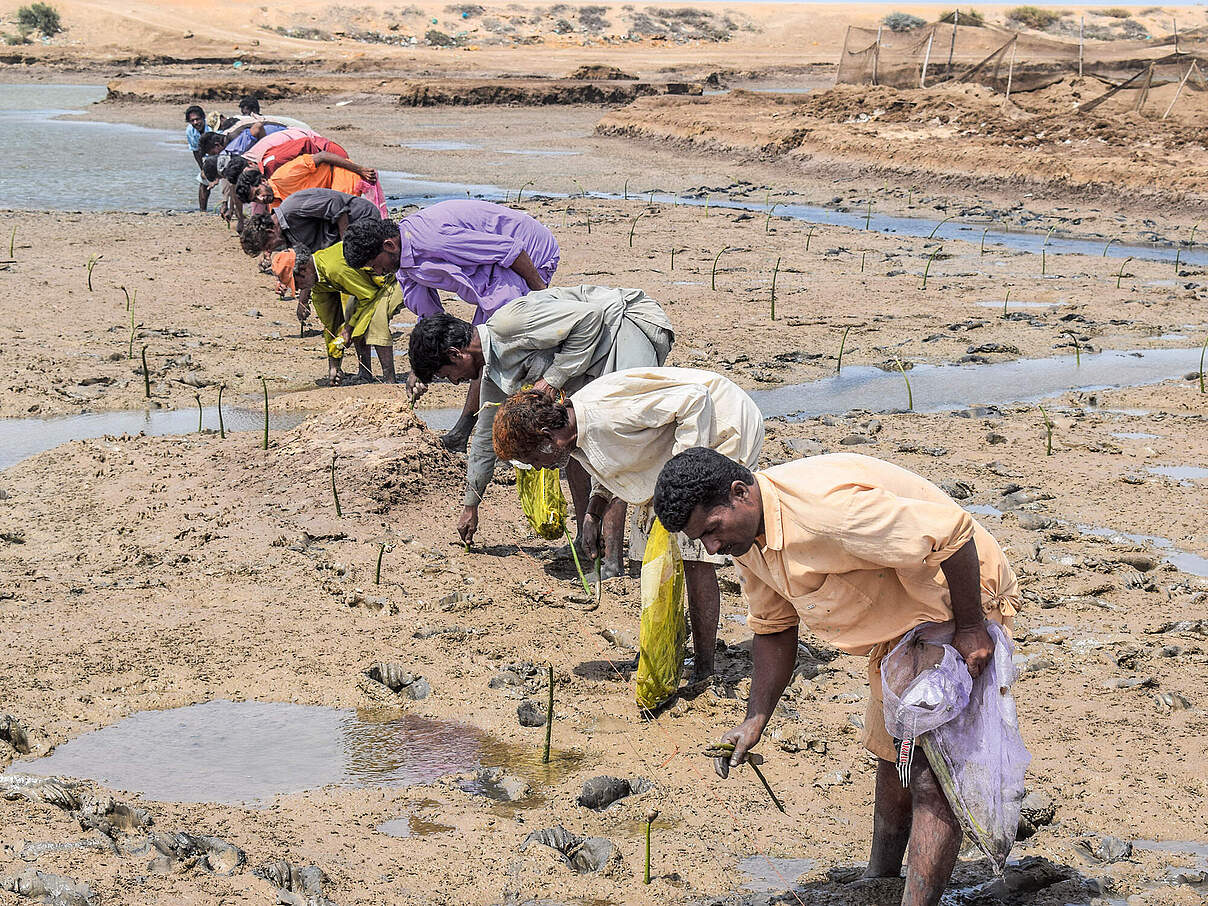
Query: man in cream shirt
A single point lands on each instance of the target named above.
(622, 428)
(860, 551)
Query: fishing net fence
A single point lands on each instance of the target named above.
(1008, 61)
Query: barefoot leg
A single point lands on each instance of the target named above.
(704, 610)
(612, 529)
(385, 356)
(891, 818)
(935, 839)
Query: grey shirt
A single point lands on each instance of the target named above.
(567, 335)
(310, 217)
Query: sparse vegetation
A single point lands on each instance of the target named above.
(633, 225)
(549, 714)
(969, 17)
(775, 273)
(221, 426)
(197, 396)
(1114, 12)
(146, 376)
(377, 573)
(264, 384)
(1033, 17)
(39, 18)
(899, 22)
(92, 260)
(927, 269)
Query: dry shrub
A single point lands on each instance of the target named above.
(1033, 17)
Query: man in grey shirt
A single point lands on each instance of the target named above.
(313, 218)
(556, 339)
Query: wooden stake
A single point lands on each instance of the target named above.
(876, 55)
(1010, 72)
(1081, 33)
(956, 20)
(1179, 90)
(926, 58)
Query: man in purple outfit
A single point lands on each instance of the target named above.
(487, 254)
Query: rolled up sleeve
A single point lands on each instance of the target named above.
(898, 532)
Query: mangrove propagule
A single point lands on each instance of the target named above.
(633, 226)
(726, 749)
(909, 392)
(221, 426)
(335, 495)
(713, 276)
(775, 273)
(1048, 432)
(842, 343)
(264, 384)
(92, 260)
(549, 717)
(146, 376)
(650, 818)
(377, 573)
(1077, 349)
(197, 396)
(575, 556)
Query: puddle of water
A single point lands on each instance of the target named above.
(1181, 847)
(982, 509)
(765, 874)
(1184, 561)
(23, 437)
(1134, 435)
(36, 139)
(540, 152)
(248, 752)
(941, 387)
(997, 303)
(439, 419)
(1181, 473)
(438, 145)
(414, 824)
(687, 283)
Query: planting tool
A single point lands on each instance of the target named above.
(726, 749)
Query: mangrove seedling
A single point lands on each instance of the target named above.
(377, 573)
(92, 260)
(650, 817)
(651, 202)
(129, 297)
(930, 258)
(197, 396)
(721, 750)
(842, 343)
(1108, 245)
(1043, 264)
(520, 194)
(625, 191)
(713, 276)
(983, 241)
(673, 250)
(909, 393)
(582, 191)
(1048, 236)
(1077, 349)
(863, 255)
(767, 223)
(221, 426)
(868, 216)
(1177, 253)
(708, 195)
(12, 242)
(1048, 432)
(775, 273)
(264, 384)
(1202, 349)
(578, 567)
(335, 495)
(1005, 299)
(938, 225)
(1190, 237)
(808, 236)
(146, 376)
(588, 213)
(633, 226)
(549, 717)
(1120, 273)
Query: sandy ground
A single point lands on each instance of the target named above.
(146, 573)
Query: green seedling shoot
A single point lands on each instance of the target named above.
(549, 717)
(868, 215)
(197, 396)
(520, 194)
(146, 376)
(930, 258)
(651, 202)
(713, 276)
(1202, 350)
(377, 573)
(12, 242)
(129, 297)
(92, 260)
(625, 191)
(264, 384)
(578, 568)
(633, 226)
(335, 495)
(754, 759)
(582, 191)
(1077, 349)
(938, 225)
(1190, 237)
(1048, 432)
(650, 816)
(221, 426)
(708, 195)
(983, 241)
(1108, 245)
(775, 273)
(1048, 236)
(842, 343)
(1005, 300)
(1120, 273)
(909, 392)
(767, 223)
(808, 236)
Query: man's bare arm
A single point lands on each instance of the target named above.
(527, 271)
(773, 657)
(963, 572)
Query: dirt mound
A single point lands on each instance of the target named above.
(600, 72)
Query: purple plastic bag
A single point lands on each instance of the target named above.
(967, 727)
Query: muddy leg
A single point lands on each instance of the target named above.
(704, 610)
(385, 356)
(580, 489)
(891, 818)
(203, 197)
(364, 360)
(935, 839)
(458, 437)
(335, 371)
(612, 529)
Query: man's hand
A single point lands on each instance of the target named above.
(543, 386)
(369, 174)
(414, 388)
(589, 536)
(467, 525)
(975, 646)
(303, 311)
(744, 737)
(346, 335)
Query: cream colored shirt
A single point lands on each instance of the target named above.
(852, 547)
(631, 422)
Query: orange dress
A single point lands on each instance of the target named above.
(302, 173)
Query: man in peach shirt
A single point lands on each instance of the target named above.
(861, 551)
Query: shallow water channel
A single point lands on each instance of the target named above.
(248, 752)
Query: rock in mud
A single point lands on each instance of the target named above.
(531, 713)
(183, 852)
(54, 890)
(1036, 811)
(31, 852)
(295, 886)
(586, 855)
(111, 818)
(52, 790)
(387, 681)
(14, 734)
(599, 793)
(497, 784)
(1105, 849)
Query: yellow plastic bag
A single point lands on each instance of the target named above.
(542, 501)
(664, 631)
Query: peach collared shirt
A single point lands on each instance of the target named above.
(852, 548)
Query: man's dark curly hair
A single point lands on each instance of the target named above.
(247, 182)
(193, 108)
(212, 142)
(234, 167)
(432, 337)
(520, 421)
(697, 477)
(363, 240)
(257, 233)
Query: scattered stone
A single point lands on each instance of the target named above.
(994, 438)
(1034, 521)
(254, 313)
(1131, 682)
(55, 890)
(599, 793)
(181, 852)
(1140, 562)
(835, 778)
(957, 490)
(909, 446)
(586, 855)
(1186, 876)
(1172, 701)
(852, 440)
(497, 784)
(395, 681)
(112, 818)
(295, 886)
(1106, 849)
(993, 348)
(531, 713)
(31, 852)
(51, 790)
(14, 734)
(805, 446)
(1036, 811)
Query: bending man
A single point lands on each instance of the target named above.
(861, 551)
(325, 170)
(487, 254)
(314, 218)
(556, 339)
(622, 428)
(324, 279)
